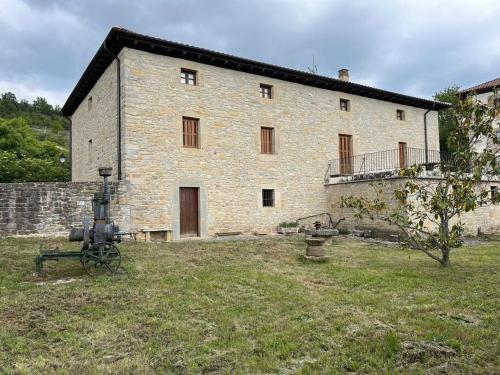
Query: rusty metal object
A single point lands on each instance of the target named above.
(99, 253)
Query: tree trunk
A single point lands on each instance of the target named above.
(445, 260)
(445, 233)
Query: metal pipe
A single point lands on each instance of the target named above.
(70, 161)
(426, 146)
(118, 110)
(425, 134)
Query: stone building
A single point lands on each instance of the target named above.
(203, 142)
(487, 93)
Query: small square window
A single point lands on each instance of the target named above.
(188, 77)
(268, 198)
(400, 114)
(89, 103)
(345, 105)
(266, 91)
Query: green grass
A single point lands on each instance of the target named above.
(254, 307)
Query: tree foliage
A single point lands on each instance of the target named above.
(429, 212)
(47, 121)
(33, 138)
(445, 116)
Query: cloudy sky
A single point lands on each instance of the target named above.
(413, 47)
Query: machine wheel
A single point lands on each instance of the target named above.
(101, 259)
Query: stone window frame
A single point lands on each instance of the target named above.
(400, 115)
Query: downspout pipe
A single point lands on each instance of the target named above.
(426, 146)
(70, 161)
(118, 110)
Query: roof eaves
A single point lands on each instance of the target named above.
(118, 38)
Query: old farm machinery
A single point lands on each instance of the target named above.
(98, 255)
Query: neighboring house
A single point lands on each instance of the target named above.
(488, 93)
(204, 142)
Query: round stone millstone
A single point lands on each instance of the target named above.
(315, 241)
(322, 232)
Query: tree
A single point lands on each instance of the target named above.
(445, 117)
(45, 120)
(428, 212)
(8, 104)
(24, 158)
(40, 105)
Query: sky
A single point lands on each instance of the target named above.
(412, 47)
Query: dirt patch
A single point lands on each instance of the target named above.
(58, 282)
(466, 319)
(420, 352)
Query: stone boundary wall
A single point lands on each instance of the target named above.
(52, 208)
(484, 219)
(365, 189)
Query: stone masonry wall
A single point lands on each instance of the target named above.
(228, 167)
(485, 219)
(94, 130)
(52, 208)
(367, 189)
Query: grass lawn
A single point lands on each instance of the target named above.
(252, 306)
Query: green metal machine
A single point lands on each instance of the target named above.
(98, 255)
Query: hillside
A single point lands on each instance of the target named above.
(34, 139)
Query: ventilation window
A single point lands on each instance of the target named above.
(268, 198)
(345, 105)
(90, 152)
(266, 91)
(400, 114)
(89, 103)
(188, 77)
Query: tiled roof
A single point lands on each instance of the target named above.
(483, 87)
(118, 38)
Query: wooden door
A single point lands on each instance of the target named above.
(345, 154)
(189, 211)
(402, 154)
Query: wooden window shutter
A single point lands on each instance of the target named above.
(266, 140)
(190, 132)
(345, 154)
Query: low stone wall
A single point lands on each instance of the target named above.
(52, 208)
(365, 189)
(484, 219)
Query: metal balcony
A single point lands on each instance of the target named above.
(382, 163)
